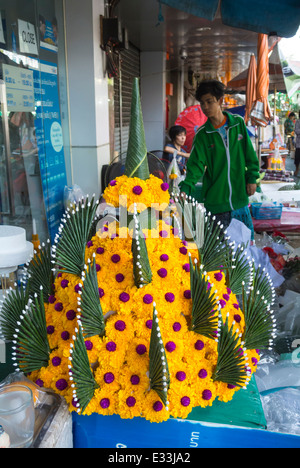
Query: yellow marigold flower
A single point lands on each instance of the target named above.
(130, 404)
(134, 380)
(153, 408)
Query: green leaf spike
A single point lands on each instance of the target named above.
(136, 160)
(141, 266)
(89, 302)
(159, 370)
(81, 375)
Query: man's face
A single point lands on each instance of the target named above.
(210, 105)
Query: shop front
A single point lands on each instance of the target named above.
(34, 130)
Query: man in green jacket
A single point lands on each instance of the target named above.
(224, 156)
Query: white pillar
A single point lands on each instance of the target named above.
(153, 98)
(88, 94)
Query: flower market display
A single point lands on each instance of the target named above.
(151, 314)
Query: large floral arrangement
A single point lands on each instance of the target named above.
(144, 319)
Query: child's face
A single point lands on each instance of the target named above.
(180, 139)
(210, 105)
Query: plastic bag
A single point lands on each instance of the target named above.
(72, 195)
(282, 410)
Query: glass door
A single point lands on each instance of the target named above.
(34, 120)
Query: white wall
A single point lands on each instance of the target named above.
(88, 93)
(153, 98)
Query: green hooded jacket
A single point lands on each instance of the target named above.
(226, 170)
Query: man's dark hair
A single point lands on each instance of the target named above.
(176, 130)
(213, 87)
(292, 114)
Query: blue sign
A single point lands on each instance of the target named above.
(49, 138)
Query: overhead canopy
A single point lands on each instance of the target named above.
(281, 17)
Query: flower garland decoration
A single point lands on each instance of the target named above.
(170, 334)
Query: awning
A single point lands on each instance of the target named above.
(280, 17)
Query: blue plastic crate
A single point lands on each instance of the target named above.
(266, 212)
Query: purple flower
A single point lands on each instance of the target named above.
(50, 330)
(101, 292)
(185, 401)
(169, 297)
(51, 299)
(226, 297)
(149, 324)
(109, 377)
(141, 349)
(202, 374)
(229, 291)
(111, 346)
(58, 307)
(147, 299)
(207, 395)
(162, 272)
(134, 379)
(164, 257)
(181, 376)
(230, 387)
(137, 190)
(100, 250)
(236, 306)
(77, 288)
(71, 314)
(163, 233)
(89, 244)
(59, 275)
(112, 183)
(115, 258)
(199, 345)
(183, 250)
(98, 267)
(131, 401)
(61, 384)
(218, 276)
(120, 325)
(158, 406)
(65, 335)
(254, 361)
(39, 383)
(186, 267)
(208, 286)
(124, 297)
(170, 346)
(237, 318)
(104, 403)
(56, 361)
(89, 345)
(222, 303)
(120, 277)
(164, 186)
(187, 294)
(176, 326)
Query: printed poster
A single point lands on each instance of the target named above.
(48, 32)
(50, 143)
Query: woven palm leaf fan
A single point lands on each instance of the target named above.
(117, 168)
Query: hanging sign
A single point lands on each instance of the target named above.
(2, 39)
(27, 38)
(290, 63)
(19, 88)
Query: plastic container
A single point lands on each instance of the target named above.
(260, 211)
